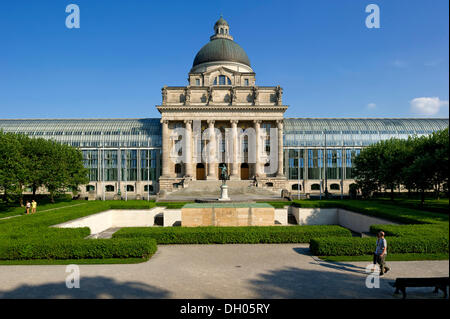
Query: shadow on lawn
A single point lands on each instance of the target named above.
(90, 288)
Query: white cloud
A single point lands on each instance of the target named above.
(433, 63)
(371, 106)
(427, 105)
(399, 63)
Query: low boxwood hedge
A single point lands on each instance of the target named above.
(424, 230)
(77, 249)
(337, 246)
(233, 235)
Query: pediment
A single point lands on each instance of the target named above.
(221, 70)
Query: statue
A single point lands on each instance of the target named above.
(233, 96)
(187, 96)
(279, 94)
(164, 94)
(209, 95)
(224, 174)
(255, 96)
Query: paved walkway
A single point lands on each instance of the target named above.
(218, 271)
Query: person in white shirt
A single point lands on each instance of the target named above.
(379, 256)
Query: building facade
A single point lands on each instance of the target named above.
(220, 120)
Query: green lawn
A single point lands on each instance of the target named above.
(12, 210)
(35, 228)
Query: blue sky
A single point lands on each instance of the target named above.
(328, 63)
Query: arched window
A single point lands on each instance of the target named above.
(221, 31)
(90, 188)
(130, 188)
(315, 187)
(109, 188)
(148, 188)
(334, 187)
(269, 184)
(296, 187)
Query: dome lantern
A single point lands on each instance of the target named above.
(222, 48)
(221, 30)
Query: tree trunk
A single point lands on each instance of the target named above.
(422, 197)
(392, 193)
(34, 191)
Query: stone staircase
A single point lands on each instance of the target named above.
(238, 190)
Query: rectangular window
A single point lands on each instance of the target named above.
(197, 82)
(350, 155)
(109, 165)
(129, 165)
(90, 161)
(315, 163)
(148, 165)
(246, 82)
(334, 164)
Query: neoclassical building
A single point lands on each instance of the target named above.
(220, 119)
(221, 96)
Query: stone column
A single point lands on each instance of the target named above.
(280, 149)
(187, 146)
(235, 164)
(165, 148)
(257, 147)
(211, 151)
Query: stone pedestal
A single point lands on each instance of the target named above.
(224, 193)
(227, 214)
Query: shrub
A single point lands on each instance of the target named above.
(338, 246)
(423, 230)
(77, 249)
(233, 235)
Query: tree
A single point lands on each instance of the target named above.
(419, 163)
(26, 161)
(366, 170)
(11, 165)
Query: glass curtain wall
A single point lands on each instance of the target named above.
(90, 161)
(315, 163)
(350, 155)
(149, 157)
(129, 165)
(296, 164)
(334, 164)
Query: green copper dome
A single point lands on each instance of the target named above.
(221, 49)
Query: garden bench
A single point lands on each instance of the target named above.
(437, 282)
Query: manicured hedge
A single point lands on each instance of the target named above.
(423, 230)
(365, 246)
(77, 249)
(233, 235)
